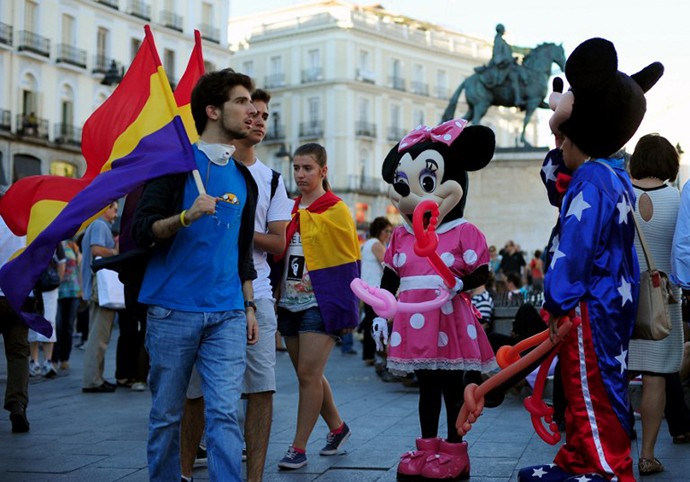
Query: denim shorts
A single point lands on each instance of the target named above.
(292, 323)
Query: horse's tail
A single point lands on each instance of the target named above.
(449, 113)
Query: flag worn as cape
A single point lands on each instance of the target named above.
(332, 256)
(135, 136)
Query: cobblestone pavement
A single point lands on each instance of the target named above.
(102, 437)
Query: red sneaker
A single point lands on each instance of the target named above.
(412, 463)
(451, 463)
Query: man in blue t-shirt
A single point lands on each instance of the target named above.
(198, 282)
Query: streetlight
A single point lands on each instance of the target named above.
(284, 155)
(113, 75)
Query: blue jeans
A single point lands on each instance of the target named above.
(217, 343)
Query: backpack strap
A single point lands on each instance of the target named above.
(274, 183)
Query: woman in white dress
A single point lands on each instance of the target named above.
(373, 249)
(654, 163)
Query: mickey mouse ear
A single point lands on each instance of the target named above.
(557, 84)
(647, 77)
(557, 93)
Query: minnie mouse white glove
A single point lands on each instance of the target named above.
(379, 332)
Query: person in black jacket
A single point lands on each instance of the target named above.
(198, 281)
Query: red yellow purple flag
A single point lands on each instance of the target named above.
(135, 136)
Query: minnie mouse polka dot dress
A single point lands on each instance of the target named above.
(451, 338)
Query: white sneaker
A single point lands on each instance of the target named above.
(138, 386)
(34, 369)
(49, 370)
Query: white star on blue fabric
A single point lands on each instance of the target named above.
(577, 206)
(554, 244)
(621, 359)
(556, 256)
(623, 210)
(583, 478)
(625, 290)
(549, 169)
(539, 472)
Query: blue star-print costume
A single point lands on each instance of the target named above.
(592, 266)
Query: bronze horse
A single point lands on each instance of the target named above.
(534, 74)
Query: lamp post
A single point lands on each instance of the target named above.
(113, 75)
(285, 157)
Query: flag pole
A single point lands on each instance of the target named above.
(197, 180)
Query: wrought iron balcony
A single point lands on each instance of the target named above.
(210, 33)
(312, 75)
(171, 20)
(312, 129)
(365, 76)
(275, 80)
(67, 134)
(140, 9)
(29, 125)
(275, 132)
(366, 185)
(442, 93)
(420, 88)
(396, 133)
(110, 3)
(101, 64)
(5, 34)
(31, 42)
(68, 54)
(397, 83)
(5, 120)
(365, 129)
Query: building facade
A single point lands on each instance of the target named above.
(357, 79)
(55, 54)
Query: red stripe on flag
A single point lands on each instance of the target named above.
(195, 69)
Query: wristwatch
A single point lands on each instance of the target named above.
(250, 304)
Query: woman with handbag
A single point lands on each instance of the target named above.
(654, 162)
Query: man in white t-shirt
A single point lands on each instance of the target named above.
(273, 212)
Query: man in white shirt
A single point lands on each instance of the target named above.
(273, 212)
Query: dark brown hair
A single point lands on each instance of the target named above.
(318, 152)
(654, 156)
(214, 89)
(378, 225)
(261, 95)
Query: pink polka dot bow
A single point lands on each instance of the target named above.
(446, 133)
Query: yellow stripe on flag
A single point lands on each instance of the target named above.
(329, 239)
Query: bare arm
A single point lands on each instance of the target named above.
(61, 270)
(102, 251)
(252, 325)
(379, 250)
(274, 241)
(166, 228)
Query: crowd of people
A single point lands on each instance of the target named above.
(225, 266)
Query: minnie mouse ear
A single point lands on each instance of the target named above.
(474, 147)
(647, 77)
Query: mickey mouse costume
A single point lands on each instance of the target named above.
(592, 265)
(438, 346)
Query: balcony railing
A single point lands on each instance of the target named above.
(396, 133)
(365, 129)
(31, 42)
(101, 64)
(397, 83)
(209, 33)
(275, 133)
(140, 9)
(68, 54)
(442, 92)
(171, 20)
(110, 3)
(5, 120)
(67, 134)
(420, 88)
(365, 76)
(31, 126)
(312, 75)
(311, 129)
(366, 185)
(275, 80)
(5, 34)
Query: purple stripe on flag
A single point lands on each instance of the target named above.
(166, 151)
(338, 304)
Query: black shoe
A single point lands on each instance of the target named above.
(20, 424)
(108, 384)
(103, 388)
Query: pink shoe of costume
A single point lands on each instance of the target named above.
(451, 463)
(412, 463)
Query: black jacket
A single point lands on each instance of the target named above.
(162, 198)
